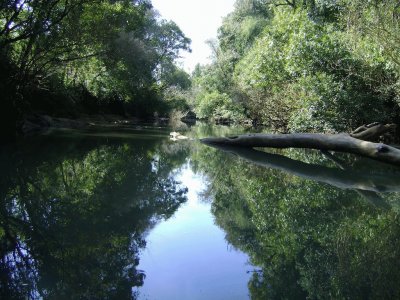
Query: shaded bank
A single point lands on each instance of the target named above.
(120, 61)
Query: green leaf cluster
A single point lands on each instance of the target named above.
(115, 51)
(219, 107)
(308, 65)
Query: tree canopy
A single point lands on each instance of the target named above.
(306, 65)
(77, 56)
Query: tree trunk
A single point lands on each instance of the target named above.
(373, 131)
(329, 142)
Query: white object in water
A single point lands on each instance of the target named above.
(177, 136)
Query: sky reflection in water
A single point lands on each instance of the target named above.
(78, 209)
(187, 256)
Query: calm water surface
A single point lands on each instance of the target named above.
(130, 214)
(187, 256)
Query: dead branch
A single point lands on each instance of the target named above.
(329, 142)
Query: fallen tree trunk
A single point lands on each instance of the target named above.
(328, 142)
(373, 131)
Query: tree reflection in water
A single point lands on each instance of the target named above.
(74, 214)
(308, 239)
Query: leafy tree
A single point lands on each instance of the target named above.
(219, 107)
(301, 75)
(307, 65)
(113, 51)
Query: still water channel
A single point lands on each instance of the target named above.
(129, 214)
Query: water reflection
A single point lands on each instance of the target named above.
(78, 207)
(187, 256)
(74, 214)
(310, 240)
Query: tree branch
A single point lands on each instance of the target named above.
(330, 142)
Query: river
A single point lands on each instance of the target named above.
(127, 213)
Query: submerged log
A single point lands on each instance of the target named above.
(328, 142)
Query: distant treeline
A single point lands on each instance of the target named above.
(72, 57)
(311, 65)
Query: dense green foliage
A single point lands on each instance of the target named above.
(306, 65)
(69, 57)
(326, 65)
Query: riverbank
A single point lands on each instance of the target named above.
(38, 123)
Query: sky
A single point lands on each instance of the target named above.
(199, 20)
